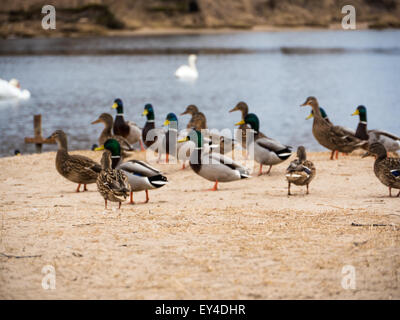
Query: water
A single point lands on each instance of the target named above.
(72, 81)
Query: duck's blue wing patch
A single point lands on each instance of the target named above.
(307, 170)
(396, 173)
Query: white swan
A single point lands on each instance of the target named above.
(12, 89)
(190, 71)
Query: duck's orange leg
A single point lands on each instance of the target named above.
(147, 196)
(332, 153)
(131, 199)
(337, 155)
(167, 158)
(84, 188)
(141, 145)
(215, 188)
(260, 171)
(79, 186)
(269, 170)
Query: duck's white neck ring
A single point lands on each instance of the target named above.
(172, 129)
(120, 114)
(115, 157)
(150, 121)
(363, 122)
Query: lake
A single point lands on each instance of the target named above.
(72, 81)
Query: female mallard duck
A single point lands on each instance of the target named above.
(141, 176)
(300, 171)
(76, 168)
(265, 151)
(106, 134)
(169, 145)
(126, 129)
(330, 136)
(244, 109)
(390, 141)
(213, 166)
(325, 117)
(386, 169)
(112, 184)
(199, 122)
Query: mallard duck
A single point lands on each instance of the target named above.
(325, 117)
(265, 151)
(241, 135)
(300, 171)
(390, 141)
(141, 176)
(75, 168)
(331, 136)
(386, 169)
(127, 129)
(199, 122)
(150, 133)
(106, 134)
(213, 166)
(169, 145)
(112, 184)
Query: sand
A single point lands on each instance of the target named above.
(248, 240)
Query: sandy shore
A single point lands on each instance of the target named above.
(249, 240)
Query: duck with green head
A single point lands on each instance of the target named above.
(213, 166)
(386, 169)
(149, 132)
(389, 140)
(331, 136)
(127, 129)
(141, 176)
(264, 150)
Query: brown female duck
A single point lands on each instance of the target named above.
(76, 168)
(331, 136)
(300, 171)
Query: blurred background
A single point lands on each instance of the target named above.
(271, 54)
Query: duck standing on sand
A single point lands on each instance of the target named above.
(149, 132)
(106, 134)
(300, 171)
(112, 184)
(127, 129)
(386, 169)
(390, 141)
(213, 166)
(325, 116)
(265, 151)
(330, 136)
(141, 176)
(75, 168)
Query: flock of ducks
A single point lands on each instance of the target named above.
(117, 179)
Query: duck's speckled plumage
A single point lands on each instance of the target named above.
(300, 171)
(76, 168)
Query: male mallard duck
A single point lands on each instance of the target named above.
(149, 132)
(386, 169)
(330, 136)
(76, 168)
(213, 166)
(300, 171)
(112, 184)
(141, 176)
(126, 129)
(106, 134)
(325, 116)
(266, 151)
(169, 145)
(390, 141)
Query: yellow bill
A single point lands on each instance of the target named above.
(99, 148)
(114, 106)
(166, 122)
(310, 116)
(145, 112)
(240, 123)
(183, 140)
(355, 113)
